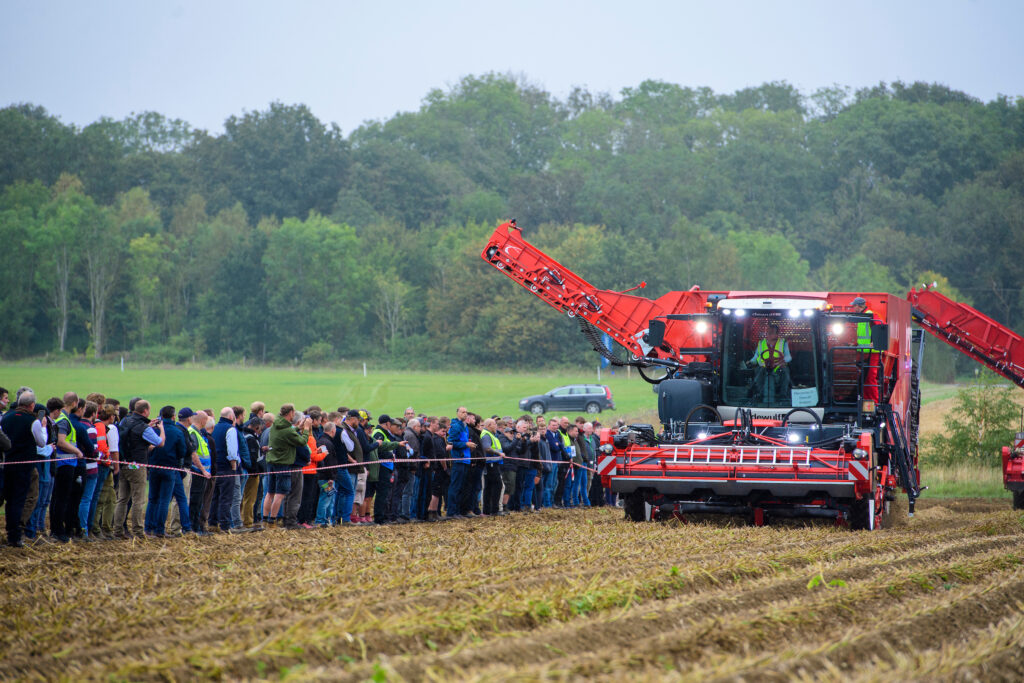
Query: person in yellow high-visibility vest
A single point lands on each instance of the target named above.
(772, 358)
(872, 358)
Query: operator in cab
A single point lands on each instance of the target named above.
(872, 358)
(772, 358)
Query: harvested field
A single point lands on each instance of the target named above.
(566, 594)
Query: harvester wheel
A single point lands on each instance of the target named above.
(1018, 500)
(633, 504)
(859, 515)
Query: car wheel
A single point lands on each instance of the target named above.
(593, 408)
(537, 408)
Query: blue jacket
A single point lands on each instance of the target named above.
(555, 445)
(458, 435)
(174, 450)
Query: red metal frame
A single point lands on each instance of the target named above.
(971, 332)
(625, 317)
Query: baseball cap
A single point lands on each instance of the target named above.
(859, 301)
(185, 413)
(363, 415)
(354, 413)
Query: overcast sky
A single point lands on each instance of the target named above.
(350, 62)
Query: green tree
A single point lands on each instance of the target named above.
(979, 425)
(64, 218)
(316, 286)
(21, 205)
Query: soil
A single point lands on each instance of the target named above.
(561, 594)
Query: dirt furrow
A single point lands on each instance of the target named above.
(706, 628)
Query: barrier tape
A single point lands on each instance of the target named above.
(407, 461)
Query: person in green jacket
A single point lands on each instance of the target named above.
(284, 439)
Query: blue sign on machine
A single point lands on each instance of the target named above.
(606, 340)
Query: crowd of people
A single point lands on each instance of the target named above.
(90, 469)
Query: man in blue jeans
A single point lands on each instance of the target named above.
(462, 447)
(557, 455)
(162, 481)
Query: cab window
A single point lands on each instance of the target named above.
(781, 375)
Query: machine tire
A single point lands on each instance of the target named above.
(537, 408)
(593, 408)
(633, 504)
(859, 515)
(1018, 500)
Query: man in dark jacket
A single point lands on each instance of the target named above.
(226, 439)
(138, 436)
(471, 497)
(325, 470)
(407, 510)
(387, 449)
(161, 481)
(20, 434)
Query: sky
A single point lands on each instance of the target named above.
(351, 62)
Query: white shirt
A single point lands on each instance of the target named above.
(113, 439)
(39, 434)
(347, 441)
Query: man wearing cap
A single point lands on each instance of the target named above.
(202, 462)
(872, 359)
(164, 479)
(183, 486)
(386, 447)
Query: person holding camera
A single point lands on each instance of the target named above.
(508, 466)
(138, 436)
(284, 440)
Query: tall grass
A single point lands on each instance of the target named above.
(962, 480)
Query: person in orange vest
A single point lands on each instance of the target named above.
(310, 480)
(872, 358)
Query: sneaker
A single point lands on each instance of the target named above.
(304, 525)
(238, 530)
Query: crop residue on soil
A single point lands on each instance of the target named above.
(565, 594)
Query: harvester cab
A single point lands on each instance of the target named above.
(771, 356)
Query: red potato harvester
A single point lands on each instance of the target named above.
(772, 404)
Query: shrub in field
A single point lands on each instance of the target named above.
(317, 353)
(980, 423)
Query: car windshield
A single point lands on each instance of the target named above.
(769, 361)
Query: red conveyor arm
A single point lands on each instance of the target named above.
(971, 332)
(623, 316)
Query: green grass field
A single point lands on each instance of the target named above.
(434, 393)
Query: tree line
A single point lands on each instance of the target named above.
(283, 239)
